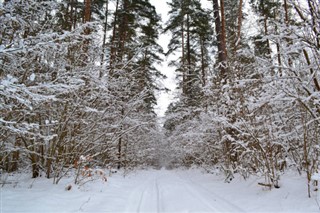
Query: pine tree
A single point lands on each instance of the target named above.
(133, 52)
(220, 28)
(189, 24)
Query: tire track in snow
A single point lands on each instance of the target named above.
(148, 195)
(137, 195)
(226, 204)
(141, 198)
(167, 191)
(200, 198)
(158, 196)
(181, 197)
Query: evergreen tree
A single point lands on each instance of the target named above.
(189, 25)
(133, 52)
(65, 104)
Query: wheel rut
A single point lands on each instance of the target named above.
(167, 191)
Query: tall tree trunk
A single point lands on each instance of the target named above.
(34, 165)
(71, 14)
(279, 59)
(265, 22)
(221, 36)
(74, 14)
(238, 40)
(105, 28)
(223, 33)
(48, 165)
(183, 59)
(113, 38)
(203, 71)
(15, 157)
(266, 33)
(87, 11)
(285, 4)
(87, 31)
(278, 50)
(120, 143)
(123, 29)
(189, 75)
(119, 152)
(312, 7)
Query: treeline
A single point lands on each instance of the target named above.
(78, 82)
(249, 98)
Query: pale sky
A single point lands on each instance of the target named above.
(164, 99)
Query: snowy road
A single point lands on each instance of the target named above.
(167, 191)
(156, 191)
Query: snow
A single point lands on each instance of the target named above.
(32, 77)
(157, 191)
(315, 176)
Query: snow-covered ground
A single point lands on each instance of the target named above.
(158, 191)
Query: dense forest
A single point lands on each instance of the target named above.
(78, 84)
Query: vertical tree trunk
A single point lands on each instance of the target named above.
(73, 14)
(266, 33)
(312, 7)
(189, 72)
(15, 157)
(221, 36)
(123, 29)
(223, 33)
(113, 38)
(183, 57)
(278, 48)
(285, 4)
(305, 157)
(119, 152)
(86, 18)
(265, 22)
(120, 143)
(105, 28)
(239, 26)
(48, 165)
(35, 166)
(203, 71)
(69, 15)
(279, 59)
(7, 162)
(87, 11)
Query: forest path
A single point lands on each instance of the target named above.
(151, 191)
(169, 191)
